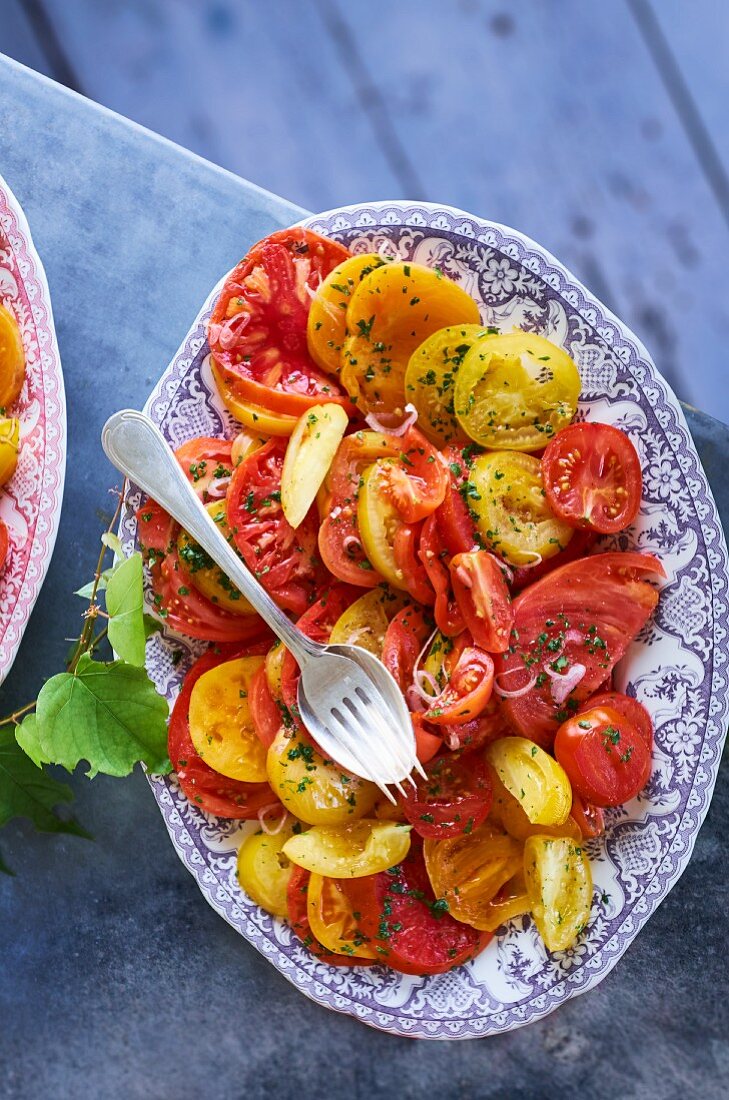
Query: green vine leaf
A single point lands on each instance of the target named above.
(107, 714)
(27, 791)
(124, 606)
(88, 589)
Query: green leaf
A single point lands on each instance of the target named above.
(107, 714)
(88, 589)
(26, 790)
(124, 602)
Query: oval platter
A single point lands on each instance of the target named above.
(677, 667)
(30, 503)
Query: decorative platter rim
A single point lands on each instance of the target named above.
(31, 502)
(649, 845)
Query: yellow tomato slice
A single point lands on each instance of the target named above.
(390, 313)
(516, 391)
(9, 446)
(311, 448)
(221, 728)
(244, 444)
(533, 777)
(332, 920)
(208, 577)
(430, 380)
(511, 901)
(274, 667)
(559, 884)
(378, 521)
(264, 871)
(315, 790)
(12, 359)
(326, 327)
(468, 870)
(365, 622)
(507, 499)
(362, 848)
(507, 811)
(252, 416)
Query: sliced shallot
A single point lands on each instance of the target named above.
(376, 425)
(265, 812)
(564, 682)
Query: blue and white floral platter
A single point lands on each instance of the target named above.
(677, 667)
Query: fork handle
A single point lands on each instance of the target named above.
(137, 447)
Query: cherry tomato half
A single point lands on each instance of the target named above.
(630, 708)
(297, 903)
(454, 799)
(467, 692)
(482, 595)
(604, 755)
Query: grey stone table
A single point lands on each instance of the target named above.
(116, 978)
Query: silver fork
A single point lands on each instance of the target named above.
(347, 699)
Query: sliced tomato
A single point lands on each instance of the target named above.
(456, 524)
(433, 555)
(592, 477)
(482, 595)
(468, 689)
(604, 755)
(412, 930)
(257, 332)
(585, 613)
(406, 545)
(454, 799)
(297, 903)
(406, 635)
(208, 464)
(630, 708)
(578, 546)
(477, 732)
(589, 818)
(208, 789)
(418, 481)
(265, 714)
(428, 743)
(4, 543)
(285, 560)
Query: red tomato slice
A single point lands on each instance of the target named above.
(257, 332)
(482, 595)
(604, 755)
(405, 546)
(455, 798)
(4, 543)
(410, 928)
(206, 788)
(467, 692)
(448, 615)
(477, 732)
(406, 635)
(296, 901)
(592, 477)
(456, 526)
(418, 482)
(587, 613)
(284, 560)
(630, 708)
(589, 818)
(578, 546)
(208, 465)
(427, 743)
(265, 714)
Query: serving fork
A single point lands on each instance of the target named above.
(348, 701)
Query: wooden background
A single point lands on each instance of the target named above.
(598, 127)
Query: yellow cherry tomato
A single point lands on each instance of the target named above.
(244, 444)
(326, 327)
(511, 901)
(315, 790)
(378, 522)
(361, 848)
(252, 416)
(208, 577)
(12, 359)
(221, 728)
(430, 380)
(507, 499)
(9, 446)
(264, 871)
(332, 920)
(559, 885)
(507, 811)
(365, 622)
(390, 313)
(516, 391)
(533, 777)
(274, 666)
(468, 870)
(311, 448)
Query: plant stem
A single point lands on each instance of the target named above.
(17, 714)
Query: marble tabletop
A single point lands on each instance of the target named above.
(117, 978)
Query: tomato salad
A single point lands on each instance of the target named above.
(411, 481)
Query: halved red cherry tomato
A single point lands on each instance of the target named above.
(585, 613)
(630, 708)
(468, 689)
(590, 819)
(592, 477)
(418, 481)
(406, 635)
(482, 595)
(257, 332)
(578, 546)
(406, 545)
(208, 789)
(604, 755)
(427, 743)
(284, 560)
(265, 714)
(296, 899)
(448, 615)
(455, 798)
(410, 928)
